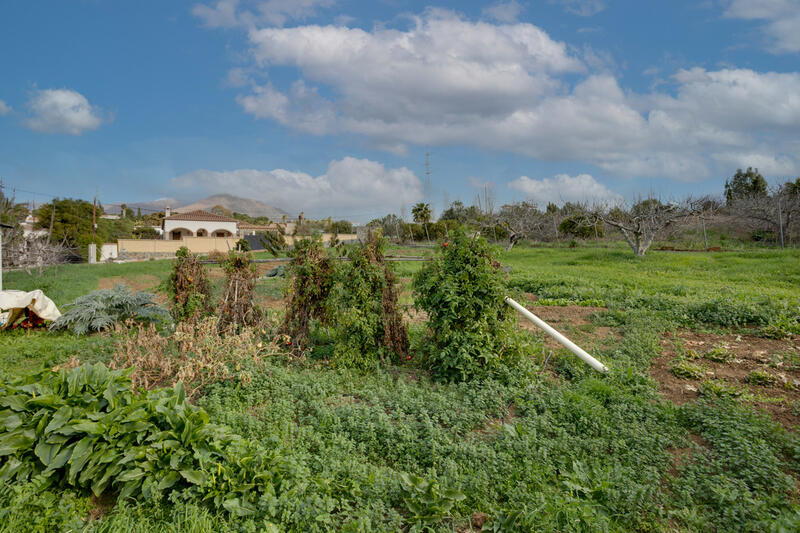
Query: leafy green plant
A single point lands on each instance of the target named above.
(716, 387)
(684, 369)
(761, 377)
(470, 326)
(427, 503)
(719, 354)
(103, 309)
(86, 428)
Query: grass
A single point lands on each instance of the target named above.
(569, 450)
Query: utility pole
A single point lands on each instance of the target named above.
(780, 222)
(52, 221)
(2, 227)
(703, 220)
(94, 216)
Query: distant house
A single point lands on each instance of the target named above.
(29, 228)
(197, 224)
(200, 223)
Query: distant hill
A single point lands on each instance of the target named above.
(146, 207)
(254, 208)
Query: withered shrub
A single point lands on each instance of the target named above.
(237, 309)
(195, 354)
(188, 287)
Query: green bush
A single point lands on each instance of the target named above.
(86, 428)
(100, 310)
(367, 325)
(470, 328)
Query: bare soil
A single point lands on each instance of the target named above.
(138, 282)
(778, 358)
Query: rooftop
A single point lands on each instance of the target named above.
(200, 215)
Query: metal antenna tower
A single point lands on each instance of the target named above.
(427, 176)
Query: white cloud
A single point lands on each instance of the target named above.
(226, 13)
(563, 188)
(584, 8)
(62, 111)
(446, 80)
(781, 20)
(349, 188)
(503, 11)
(4, 108)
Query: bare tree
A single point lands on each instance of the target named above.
(522, 220)
(641, 223)
(777, 211)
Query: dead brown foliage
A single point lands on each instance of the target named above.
(395, 335)
(195, 354)
(237, 310)
(189, 287)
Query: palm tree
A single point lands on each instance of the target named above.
(422, 215)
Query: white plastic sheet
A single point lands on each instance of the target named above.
(36, 301)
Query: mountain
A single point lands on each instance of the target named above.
(254, 208)
(147, 207)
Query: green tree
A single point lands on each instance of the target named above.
(422, 215)
(460, 213)
(746, 184)
(72, 222)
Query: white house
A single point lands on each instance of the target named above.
(197, 224)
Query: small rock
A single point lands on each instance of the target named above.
(690, 388)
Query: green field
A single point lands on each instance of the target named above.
(565, 450)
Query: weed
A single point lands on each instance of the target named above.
(719, 354)
(761, 377)
(685, 369)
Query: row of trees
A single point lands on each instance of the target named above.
(750, 209)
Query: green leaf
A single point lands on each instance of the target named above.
(10, 420)
(15, 441)
(80, 455)
(168, 481)
(46, 452)
(194, 476)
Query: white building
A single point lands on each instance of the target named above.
(197, 224)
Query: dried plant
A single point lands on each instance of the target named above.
(195, 354)
(188, 287)
(237, 310)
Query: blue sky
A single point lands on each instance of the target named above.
(329, 106)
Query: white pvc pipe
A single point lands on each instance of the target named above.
(568, 344)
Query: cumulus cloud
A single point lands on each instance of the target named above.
(233, 13)
(781, 21)
(447, 80)
(503, 11)
(62, 111)
(350, 187)
(4, 108)
(563, 188)
(584, 8)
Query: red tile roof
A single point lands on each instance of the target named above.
(201, 216)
